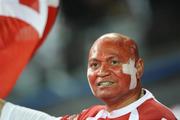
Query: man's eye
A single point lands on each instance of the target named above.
(94, 65)
(114, 62)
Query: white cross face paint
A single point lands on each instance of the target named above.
(130, 69)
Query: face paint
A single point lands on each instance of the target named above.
(130, 69)
(111, 73)
(104, 73)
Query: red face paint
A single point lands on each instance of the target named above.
(105, 76)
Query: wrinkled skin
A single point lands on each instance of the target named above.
(105, 74)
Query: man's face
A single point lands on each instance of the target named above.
(105, 70)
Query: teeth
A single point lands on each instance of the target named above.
(105, 83)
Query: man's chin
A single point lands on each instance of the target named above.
(104, 96)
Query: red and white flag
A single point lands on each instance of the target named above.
(24, 25)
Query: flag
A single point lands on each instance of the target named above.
(24, 25)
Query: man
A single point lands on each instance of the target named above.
(114, 75)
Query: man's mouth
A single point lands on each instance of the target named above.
(105, 83)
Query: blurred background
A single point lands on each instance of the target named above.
(55, 80)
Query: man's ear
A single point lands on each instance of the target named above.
(140, 68)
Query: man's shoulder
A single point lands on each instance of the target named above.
(152, 106)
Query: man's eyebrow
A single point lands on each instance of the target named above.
(92, 59)
(115, 58)
(112, 56)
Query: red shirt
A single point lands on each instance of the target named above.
(145, 108)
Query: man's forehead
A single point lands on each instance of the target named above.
(106, 50)
(109, 42)
(114, 41)
(112, 38)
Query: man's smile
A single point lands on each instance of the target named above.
(105, 83)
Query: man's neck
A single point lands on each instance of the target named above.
(126, 100)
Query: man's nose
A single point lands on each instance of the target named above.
(103, 71)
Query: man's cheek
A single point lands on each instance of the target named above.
(89, 73)
(91, 80)
(91, 76)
